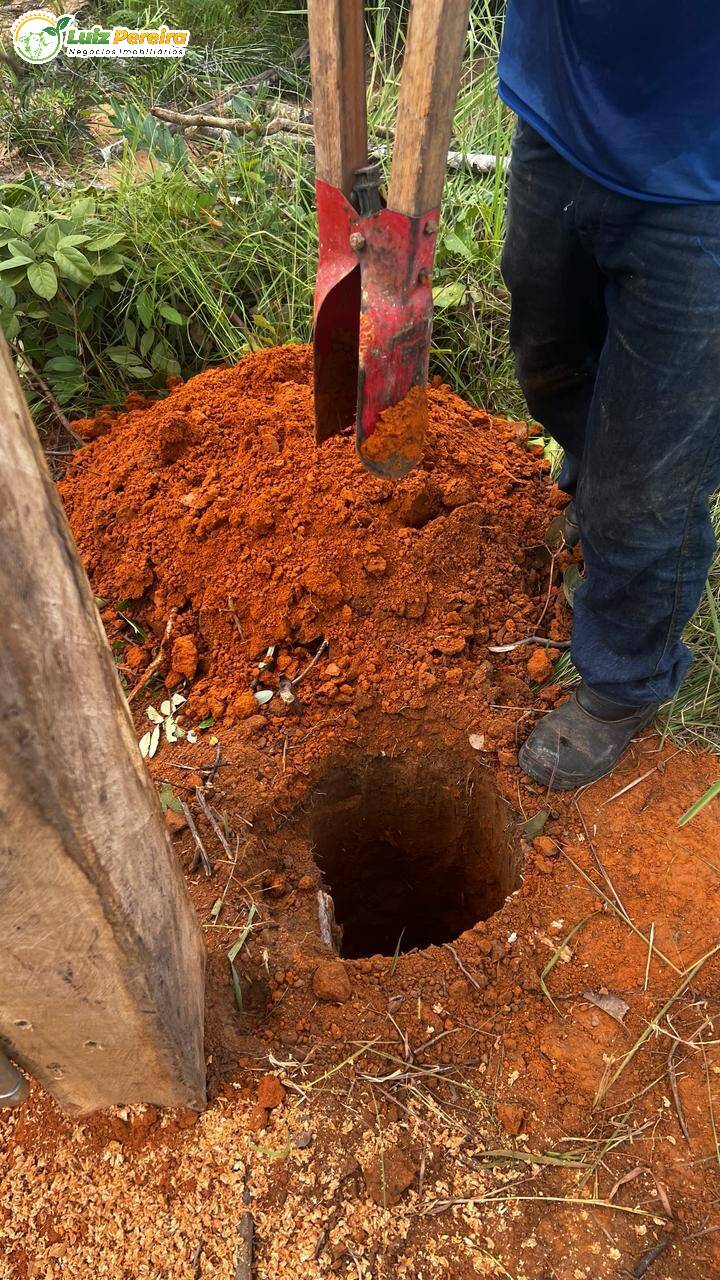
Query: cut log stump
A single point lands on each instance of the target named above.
(102, 958)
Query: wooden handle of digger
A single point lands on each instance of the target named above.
(337, 65)
(434, 48)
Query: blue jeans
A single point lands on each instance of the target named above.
(615, 327)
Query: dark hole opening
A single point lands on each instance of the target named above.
(412, 851)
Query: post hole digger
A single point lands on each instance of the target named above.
(373, 292)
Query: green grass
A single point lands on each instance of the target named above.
(224, 238)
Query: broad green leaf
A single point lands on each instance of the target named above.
(454, 244)
(63, 364)
(73, 264)
(11, 326)
(8, 297)
(22, 221)
(448, 295)
(42, 279)
(130, 329)
(144, 308)
(15, 275)
(50, 238)
(71, 241)
(108, 265)
(84, 208)
(10, 263)
(67, 343)
(170, 314)
(533, 826)
(128, 361)
(106, 241)
(145, 342)
(21, 249)
(572, 579)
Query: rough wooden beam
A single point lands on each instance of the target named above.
(102, 959)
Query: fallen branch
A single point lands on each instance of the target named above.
(150, 671)
(47, 395)
(480, 163)
(231, 124)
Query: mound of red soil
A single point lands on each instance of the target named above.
(217, 503)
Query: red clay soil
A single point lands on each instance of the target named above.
(399, 433)
(531, 1091)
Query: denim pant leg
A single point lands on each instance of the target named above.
(652, 451)
(557, 318)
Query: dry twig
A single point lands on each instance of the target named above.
(246, 1231)
(461, 966)
(325, 644)
(202, 854)
(210, 815)
(46, 393)
(150, 671)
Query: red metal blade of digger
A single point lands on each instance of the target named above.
(336, 330)
(395, 331)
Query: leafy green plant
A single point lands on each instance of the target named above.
(73, 299)
(41, 120)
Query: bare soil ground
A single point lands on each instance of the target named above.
(501, 1058)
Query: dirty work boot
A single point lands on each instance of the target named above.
(581, 740)
(572, 528)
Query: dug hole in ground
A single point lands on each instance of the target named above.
(464, 1031)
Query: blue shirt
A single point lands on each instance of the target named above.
(627, 90)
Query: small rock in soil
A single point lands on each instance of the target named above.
(331, 983)
(387, 1175)
(184, 657)
(270, 1092)
(175, 822)
(539, 667)
(511, 1116)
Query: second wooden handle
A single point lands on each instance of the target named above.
(436, 37)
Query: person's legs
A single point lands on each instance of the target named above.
(650, 462)
(652, 450)
(557, 321)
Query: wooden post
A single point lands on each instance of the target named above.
(101, 954)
